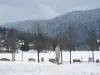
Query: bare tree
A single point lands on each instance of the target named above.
(39, 40)
(92, 41)
(10, 40)
(66, 38)
(70, 39)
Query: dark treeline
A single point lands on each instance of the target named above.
(66, 38)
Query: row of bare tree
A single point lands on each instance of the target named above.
(66, 38)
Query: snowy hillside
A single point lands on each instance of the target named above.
(81, 20)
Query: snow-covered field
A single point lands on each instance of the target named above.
(46, 68)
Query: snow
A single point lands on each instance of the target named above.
(46, 56)
(46, 68)
(30, 68)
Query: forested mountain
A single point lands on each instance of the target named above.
(82, 21)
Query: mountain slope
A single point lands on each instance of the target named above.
(82, 20)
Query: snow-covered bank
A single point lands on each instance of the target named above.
(30, 68)
(46, 68)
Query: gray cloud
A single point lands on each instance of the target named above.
(15, 10)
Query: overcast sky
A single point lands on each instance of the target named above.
(16, 10)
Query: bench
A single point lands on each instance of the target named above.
(4, 59)
(76, 60)
(52, 60)
(31, 59)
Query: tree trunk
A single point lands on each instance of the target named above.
(12, 55)
(38, 56)
(61, 57)
(93, 55)
(12, 50)
(70, 56)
